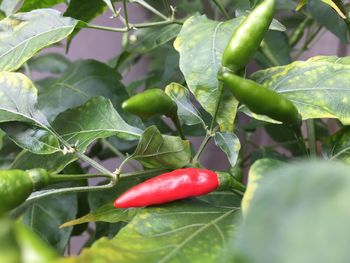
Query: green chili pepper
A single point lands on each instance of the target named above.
(152, 102)
(19, 244)
(33, 248)
(246, 40)
(17, 185)
(262, 100)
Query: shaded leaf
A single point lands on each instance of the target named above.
(80, 82)
(46, 215)
(327, 17)
(257, 172)
(156, 150)
(29, 5)
(49, 63)
(338, 145)
(185, 109)
(307, 203)
(229, 143)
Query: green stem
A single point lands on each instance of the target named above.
(204, 143)
(299, 32)
(116, 152)
(57, 178)
(135, 26)
(301, 142)
(308, 41)
(126, 15)
(311, 137)
(150, 8)
(45, 193)
(217, 106)
(265, 50)
(222, 8)
(175, 119)
(27, 70)
(143, 173)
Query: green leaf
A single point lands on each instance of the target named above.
(106, 213)
(185, 109)
(327, 17)
(49, 63)
(80, 126)
(318, 88)
(18, 100)
(85, 11)
(301, 4)
(277, 44)
(53, 163)
(80, 82)
(147, 39)
(229, 143)
(95, 119)
(201, 43)
(29, 5)
(35, 139)
(20, 119)
(46, 215)
(24, 34)
(257, 172)
(297, 215)
(335, 7)
(177, 232)
(161, 151)
(338, 145)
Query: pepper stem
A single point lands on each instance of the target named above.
(228, 182)
(175, 119)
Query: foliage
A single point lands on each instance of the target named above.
(70, 118)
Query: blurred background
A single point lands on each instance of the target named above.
(106, 46)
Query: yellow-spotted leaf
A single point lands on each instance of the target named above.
(201, 43)
(187, 231)
(319, 87)
(256, 173)
(22, 35)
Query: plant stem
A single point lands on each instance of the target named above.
(134, 26)
(116, 152)
(204, 143)
(222, 8)
(265, 50)
(126, 15)
(311, 137)
(72, 177)
(94, 164)
(27, 70)
(175, 119)
(308, 42)
(217, 106)
(150, 8)
(143, 173)
(301, 142)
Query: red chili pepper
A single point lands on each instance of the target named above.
(175, 185)
(178, 184)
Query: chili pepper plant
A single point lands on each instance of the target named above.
(232, 147)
